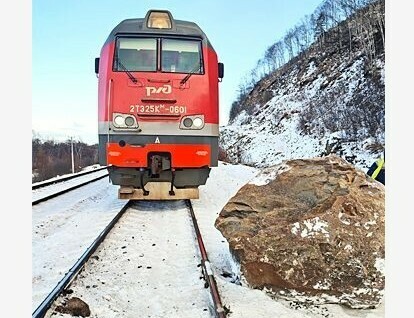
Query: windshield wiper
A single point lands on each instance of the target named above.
(131, 77)
(197, 68)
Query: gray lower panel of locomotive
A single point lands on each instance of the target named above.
(136, 177)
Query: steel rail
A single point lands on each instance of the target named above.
(67, 190)
(42, 184)
(64, 282)
(205, 263)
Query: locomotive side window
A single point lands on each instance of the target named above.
(181, 56)
(136, 54)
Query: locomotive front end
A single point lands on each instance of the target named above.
(158, 107)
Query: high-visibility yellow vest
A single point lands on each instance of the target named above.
(380, 164)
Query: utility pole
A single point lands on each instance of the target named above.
(71, 151)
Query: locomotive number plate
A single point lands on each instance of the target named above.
(158, 109)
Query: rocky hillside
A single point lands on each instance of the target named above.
(327, 99)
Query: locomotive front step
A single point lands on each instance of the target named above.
(157, 191)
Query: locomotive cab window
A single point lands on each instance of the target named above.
(181, 56)
(141, 55)
(136, 54)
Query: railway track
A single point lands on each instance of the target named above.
(74, 270)
(208, 273)
(216, 308)
(46, 183)
(67, 189)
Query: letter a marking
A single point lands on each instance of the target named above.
(157, 140)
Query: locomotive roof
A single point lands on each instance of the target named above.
(138, 26)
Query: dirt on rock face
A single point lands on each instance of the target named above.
(75, 307)
(311, 227)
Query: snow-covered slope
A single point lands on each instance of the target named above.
(273, 134)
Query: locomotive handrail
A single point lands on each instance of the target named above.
(159, 116)
(157, 100)
(152, 80)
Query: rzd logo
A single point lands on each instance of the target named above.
(166, 89)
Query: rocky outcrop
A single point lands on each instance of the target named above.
(311, 228)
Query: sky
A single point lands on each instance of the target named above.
(151, 249)
(68, 35)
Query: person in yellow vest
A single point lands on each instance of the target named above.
(377, 170)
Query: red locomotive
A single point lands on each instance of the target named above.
(158, 107)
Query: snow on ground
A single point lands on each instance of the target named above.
(68, 175)
(148, 264)
(63, 234)
(63, 228)
(62, 185)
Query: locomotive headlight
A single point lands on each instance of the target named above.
(193, 122)
(124, 121)
(159, 20)
(119, 121)
(129, 121)
(198, 122)
(188, 122)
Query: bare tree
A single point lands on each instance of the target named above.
(365, 28)
(320, 27)
(288, 41)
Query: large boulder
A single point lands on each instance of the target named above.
(310, 229)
